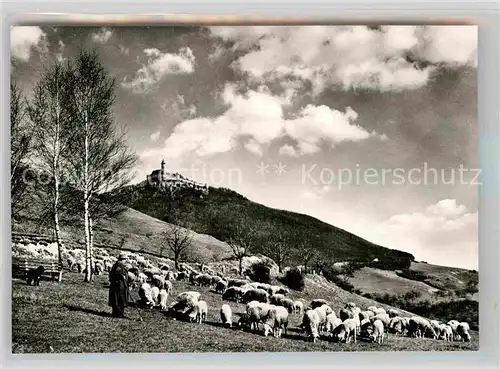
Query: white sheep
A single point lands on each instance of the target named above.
(332, 322)
(463, 331)
(142, 278)
(322, 312)
(163, 299)
(378, 333)
(298, 307)
(202, 311)
(155, 292)
(346, 331)
(146, 295)
(310, 322)
(276, 320)
(226, 315)
(168, 286)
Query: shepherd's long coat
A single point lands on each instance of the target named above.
(118, 289)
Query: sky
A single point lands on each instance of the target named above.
(371, 129)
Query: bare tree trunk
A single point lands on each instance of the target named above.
(91, 241)
(56, 219)
(241, 266)
(86, 215)
(176, 260)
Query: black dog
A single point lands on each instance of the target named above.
(34, 275)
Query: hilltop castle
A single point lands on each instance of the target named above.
(173, 181)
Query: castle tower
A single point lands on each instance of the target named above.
(162, 173)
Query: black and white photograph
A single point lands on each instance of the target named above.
(244, 188)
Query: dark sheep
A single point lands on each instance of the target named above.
(317, 303)
(34, 275)
(233, 293)
(257, 295)
(236, 283)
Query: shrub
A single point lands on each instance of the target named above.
(294, 279)
(260, 272)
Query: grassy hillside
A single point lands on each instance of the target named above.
(56, 316)
(221, 211)
(134, 231)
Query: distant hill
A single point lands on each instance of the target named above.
(218, 212)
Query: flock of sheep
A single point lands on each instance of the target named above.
(268, 308)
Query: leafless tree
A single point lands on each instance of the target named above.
(178, 240)
(20, 145)
(51, 133)
(279, 249)
(240, 243)
(308, 254)
(100, 158)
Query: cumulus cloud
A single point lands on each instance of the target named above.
(158, 66)
(317, 124)
(443, 231)
(103, 36)
(349, 56)
(315, 193)
(155, 136)
(24, 39)
(256, 118)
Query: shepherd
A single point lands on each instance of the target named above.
(118, 289)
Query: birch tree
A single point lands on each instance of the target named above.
(100, 157)
(51, 133)
(20, 144)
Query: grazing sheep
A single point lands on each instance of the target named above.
(346, 331)
(419, 327)
(203, 280)
(185, 301)
(34, 275)
(434, 323)
(373, 309)
(364, 315)
(146, 295)
(396, 325)
(233, 293)
(163, 299)
(463, 331)
(181, 276)
(236, 282)
(345, 314)
(221, 287)
(255, 294)
(198, 312)
(132, 280)
(142, 278)
(332, 322)
(170, 276)
(283, 291)
(276, 320)
(168, 286)
(365, 327)
(226, 315)
(155, 292)
(380, 311)
(370, 313)
(287, 304)
(322, 312)
(251, 318)
(310, 322)
(215, 279)
(317, 303)
(298, 307)
(378, 333)
(382, 317)
(454, 324)
(446, 332)
(392, 313)
(350, 305)
(158, 281)
(276, 298)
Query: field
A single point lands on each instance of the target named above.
(73, 317)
